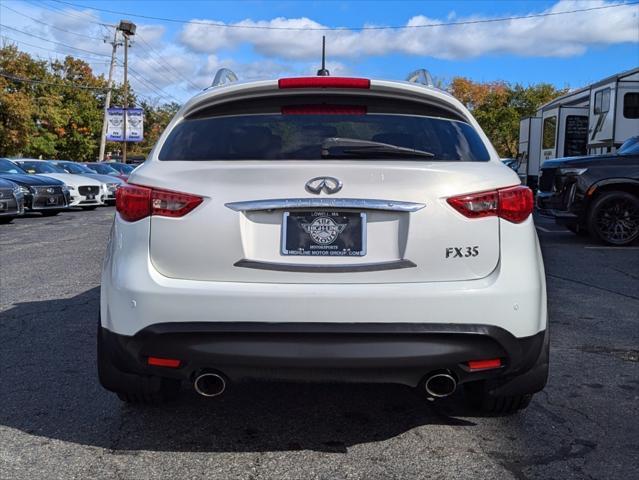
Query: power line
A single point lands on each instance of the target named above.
(75, 55)
(65, 85)
(165, 65)
(54, 84)
(158, 90)
(392, 27)
(53, 41)
(161, 65)
(50, 25)
(149, 84)
(76, 14)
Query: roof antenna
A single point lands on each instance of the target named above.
(322, 72)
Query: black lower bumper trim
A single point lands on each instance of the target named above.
(370, 352)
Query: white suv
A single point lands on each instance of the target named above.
(327, 229)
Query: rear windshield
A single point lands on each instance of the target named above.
(297, 132)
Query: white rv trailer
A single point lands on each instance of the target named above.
(614, 111)
(591, 120)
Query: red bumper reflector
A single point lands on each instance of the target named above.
(323, 110)
(324, 82)
(475, 365)
(163, 362)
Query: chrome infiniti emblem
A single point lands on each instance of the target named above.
(329, 185)
(323, 230)
(50, 190)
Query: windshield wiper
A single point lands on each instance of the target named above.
(340, 147)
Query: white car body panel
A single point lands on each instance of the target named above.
(135, 295)
(160, 270)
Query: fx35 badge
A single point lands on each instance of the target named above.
(462, 252)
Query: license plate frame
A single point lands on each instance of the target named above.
(336, 233)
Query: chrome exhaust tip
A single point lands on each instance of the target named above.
(441, 384)
(209, 384)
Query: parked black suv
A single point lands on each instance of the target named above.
(594, 194)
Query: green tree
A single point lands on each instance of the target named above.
(17, 100)
(499, 106)
(55, 109)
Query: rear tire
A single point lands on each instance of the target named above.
(130, 387)
(613, 218)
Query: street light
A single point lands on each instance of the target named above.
(127, 27)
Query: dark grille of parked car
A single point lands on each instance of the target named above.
(546, 179)
(90, 190)
(8, 201)
(52, 190)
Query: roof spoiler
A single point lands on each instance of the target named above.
(421, 76)
(223, 76)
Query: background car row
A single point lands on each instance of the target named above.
(50, 186)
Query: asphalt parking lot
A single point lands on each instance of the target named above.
(57, 422)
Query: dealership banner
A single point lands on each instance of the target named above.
(134, 126)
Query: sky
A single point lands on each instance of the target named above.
(177, 54)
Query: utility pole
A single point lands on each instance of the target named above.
(127, 28)
(126, 94)
(107, 102)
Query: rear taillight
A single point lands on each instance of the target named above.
(135, 202)
(514, 204)
(324, 82)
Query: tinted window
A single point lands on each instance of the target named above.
(300, 136)
(9, 167)
(40, 167)
(550, 127)
(602, 101)
(103, 169)
(122, 167)
(631, 105)
(74, 167)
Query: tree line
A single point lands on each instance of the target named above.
(54, 109)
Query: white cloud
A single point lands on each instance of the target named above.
(151, 34)
(260, 69)
(551, 36)
(182, 64)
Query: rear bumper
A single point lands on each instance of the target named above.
(134, 295)
(365, 352)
